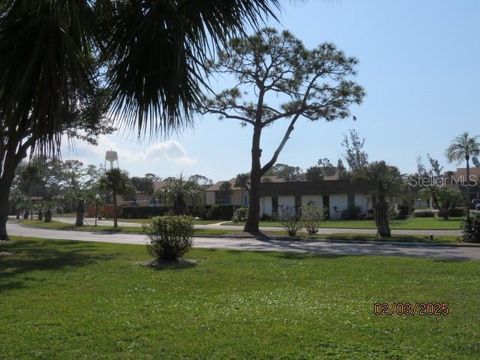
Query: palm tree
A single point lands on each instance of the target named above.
(115, 181)
(243, 181)
(464, 147)
(183, 193)
(151, 56)
(384, 182)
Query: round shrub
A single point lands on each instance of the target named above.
(170, 236)
(240, 215)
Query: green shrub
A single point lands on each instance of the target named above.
(471, 229)
(457, 212)
(170, 236)
(240, 215)
(424, 213)
(48, 216)
(221, 212)
(311, 216)
(142, 212)
(351, 213)
(290, 221)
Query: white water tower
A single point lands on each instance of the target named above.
(111, 157)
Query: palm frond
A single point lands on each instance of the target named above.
(46, 64)
(158, 52)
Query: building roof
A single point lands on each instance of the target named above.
(324, 187)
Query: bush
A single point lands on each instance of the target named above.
(424, 213)
(40, 215)
(221, 212)
(290, 221)
(403, 212)
(48, 216)
(170, 236)
(471, 229)
(351, 213)
(240, 215)
(142, 212)
(457, 212)
(311, 216)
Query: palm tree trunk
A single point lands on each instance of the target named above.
(468, 200)
(381, 219)
(115, 219)
(80, 212)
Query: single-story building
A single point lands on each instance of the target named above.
(333, 195)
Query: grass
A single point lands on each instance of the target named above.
(401, 238)
(77, 300)
(197, 221)
(58, 225)
(407, 224)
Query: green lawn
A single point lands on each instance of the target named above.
(77, 300)
(58, 225)
(408, 224)
(197, 221)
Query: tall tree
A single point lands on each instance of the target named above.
(287, 172)
(384, 181)
(151, 55)
(201, 180)
(269, 66)
(463, 148)
(356, 157)
(183, 194)
(142, 184)
(117, 183)
(243, 182)
(314, 173)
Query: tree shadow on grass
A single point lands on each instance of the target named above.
(32, 255)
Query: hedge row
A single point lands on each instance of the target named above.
(213, 212)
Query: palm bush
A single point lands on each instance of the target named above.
(471, 229)
(170, 237)
(311, 216)
(290, 221)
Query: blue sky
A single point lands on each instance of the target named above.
(419, 64)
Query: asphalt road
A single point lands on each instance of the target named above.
(315, 247)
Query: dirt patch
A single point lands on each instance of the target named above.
(176, 264)
(4, 253)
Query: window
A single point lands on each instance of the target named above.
(351, 200)
(275, 206)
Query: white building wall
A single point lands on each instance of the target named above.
(266, 206)
(286, 202)
(316, 200)
(338, 202)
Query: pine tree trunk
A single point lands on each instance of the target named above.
(252, 224)
(381, 219)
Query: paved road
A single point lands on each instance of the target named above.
(325, 231)
(317, 247)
